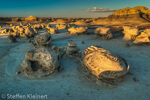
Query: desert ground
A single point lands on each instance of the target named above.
(70, 83)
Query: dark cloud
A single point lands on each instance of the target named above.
(100, 10)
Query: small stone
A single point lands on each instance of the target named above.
(67, 93)
(126, 45)
(135, 80)
(18, 72)
(82, 42)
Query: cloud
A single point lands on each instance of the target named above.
(100, 10)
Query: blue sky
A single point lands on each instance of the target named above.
(64, 8)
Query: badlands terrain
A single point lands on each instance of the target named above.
(71, 83)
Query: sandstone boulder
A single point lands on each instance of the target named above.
(72, 30)
(62, 26)
(130, 32)
(147, 31)
(142, 38)
(103, 33)
(53, 30)
(30, 32)
(43, 39)
(40, 62)
(78, 30)
(105, 66)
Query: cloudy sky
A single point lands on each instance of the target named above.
(65, 8)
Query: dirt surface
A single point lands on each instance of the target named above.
(70, 84)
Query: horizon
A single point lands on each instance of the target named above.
(66, 8)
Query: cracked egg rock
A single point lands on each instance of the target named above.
(104, 65)
(40, 61)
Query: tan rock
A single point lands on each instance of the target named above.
(62, 26)
(53, 30)
(81, 30)
(80, 23)
(72, 30)
(31, 18)
(104, 65)
(43, 39)
(102, 30)
(78, 30)
(130, 32)
(147, 31)
(142, 38)
(103, 33)
(30, 32)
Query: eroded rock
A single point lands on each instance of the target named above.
(78, 30)
(43, 39)
(52, 30)
(40, 62)
(103, 33)
(30, 32)
(72, 48)
(62, 26)
(130, 33)
(142, 38)
(104, 66)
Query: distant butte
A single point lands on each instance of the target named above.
(137, 14)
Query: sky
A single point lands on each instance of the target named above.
(66, 8)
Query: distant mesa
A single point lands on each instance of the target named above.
(61, 20)
(135, 10)
(137, 14)
(31, 18)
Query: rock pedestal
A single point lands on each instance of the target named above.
(43, 39)
(130, 33)
(103, 33)
(72, 48)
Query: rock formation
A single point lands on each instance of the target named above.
(40, 62)
(43, 39)
(105, 66)
(80, 22)
(72, 48)
(31, 18)
(62, 26)
(61, 20)
(130, 32)
(137, 14)
(30, 32)
(142, 38)
(103, 33)
(78, 30)
(147, 31)
(53, 30)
